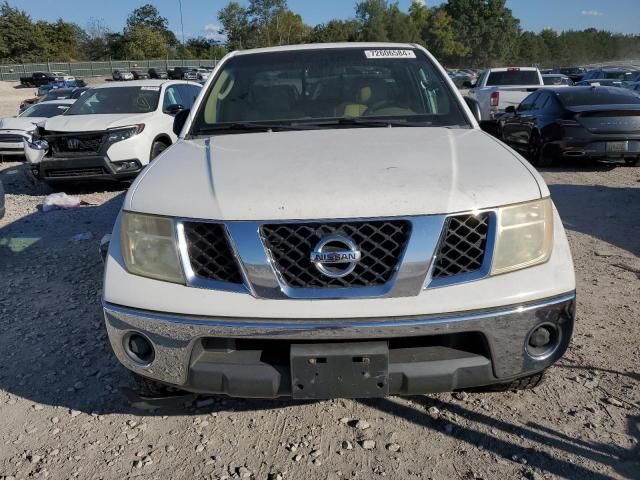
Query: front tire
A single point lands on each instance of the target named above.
(539, 154)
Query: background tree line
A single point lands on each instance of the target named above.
(146, 35)
(472, 33)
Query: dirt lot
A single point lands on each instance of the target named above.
(63, 414)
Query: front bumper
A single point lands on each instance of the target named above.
(90, 167)
(434, 353)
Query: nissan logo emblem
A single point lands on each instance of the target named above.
(336, 256)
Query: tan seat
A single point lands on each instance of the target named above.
(369, 92)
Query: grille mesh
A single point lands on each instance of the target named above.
(210, 254)
(76, 172)
(462, 249)
(382, 244)
(81, 143)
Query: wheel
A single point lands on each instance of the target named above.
(148, 387)
(634, 162)
(524, 383)
(157, 148)
(539, 154)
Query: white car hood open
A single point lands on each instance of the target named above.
(91, 123)
(334, 173)
(26, 124)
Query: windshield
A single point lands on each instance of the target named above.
(45, 110)
(303, 87)
(57, 94)
(117, 100)
(616, 75)
(578, 97)
(513, 78)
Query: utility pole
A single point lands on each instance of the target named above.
(181, 20)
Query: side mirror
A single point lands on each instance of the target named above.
(474, 106)
(510, 109)
(467, 84)
(179, 120)
(174, 108)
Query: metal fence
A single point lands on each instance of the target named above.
(95, 69)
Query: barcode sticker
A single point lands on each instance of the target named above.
(150, 89)
(390, 54)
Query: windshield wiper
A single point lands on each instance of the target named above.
(365, 122)
(248, 127)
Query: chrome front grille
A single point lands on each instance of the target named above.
(382, 244)
(463, 246)
(10, 138)
(210, 254)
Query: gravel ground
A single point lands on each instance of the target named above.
(64, 416)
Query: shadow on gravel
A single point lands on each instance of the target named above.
(622, 461)
(609, 214)
(16, 181)
(53, 344)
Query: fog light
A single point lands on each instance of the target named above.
(127, 166)
(540, 337)
(139, 349)
(543, 340)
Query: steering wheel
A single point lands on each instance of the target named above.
(377, 106)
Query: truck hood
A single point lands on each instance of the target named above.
(91, 123)
(343, 173)
(27, 124)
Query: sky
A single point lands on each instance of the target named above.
(200, 16)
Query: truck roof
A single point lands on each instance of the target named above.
(324, 46)
(507, 69)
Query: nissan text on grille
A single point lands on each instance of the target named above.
(431, 259)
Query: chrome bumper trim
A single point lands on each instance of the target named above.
(505, 330)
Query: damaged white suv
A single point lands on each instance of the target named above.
(333, 223)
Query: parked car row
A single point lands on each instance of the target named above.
(38, 79)
(175, 73)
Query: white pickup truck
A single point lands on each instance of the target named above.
(334, 223)
(499, 88)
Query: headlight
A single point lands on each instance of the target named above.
(149, 247)
(524, 236)
(119, 134)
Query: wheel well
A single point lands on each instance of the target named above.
(164, 139)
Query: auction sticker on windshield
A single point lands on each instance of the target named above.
(390, 54)
(150, 89)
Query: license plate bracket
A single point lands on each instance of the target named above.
(617, 147)
(339, 370)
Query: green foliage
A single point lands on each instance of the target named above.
(263, 23)
(436, 31)
(201, 47)
(20, 39)
(488, 29)
(372, 15)
(140, 42)
(149, 17)
(335, 31)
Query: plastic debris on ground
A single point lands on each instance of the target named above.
(60, 201)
